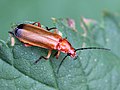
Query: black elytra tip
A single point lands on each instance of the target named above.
(20, 26)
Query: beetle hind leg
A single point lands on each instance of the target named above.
(55, 30)
(38, 24)
(43, 57)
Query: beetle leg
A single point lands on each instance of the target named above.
(50, 28)
(38, 23)
(11, 33)
(58, 53)
(55, 30)
(49, 53)
(55, 53)
(12, 40)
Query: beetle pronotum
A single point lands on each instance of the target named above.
(32, 35)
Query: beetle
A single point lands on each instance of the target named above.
(32, 35)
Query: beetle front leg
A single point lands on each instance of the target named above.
(57, 54)
(46, 58)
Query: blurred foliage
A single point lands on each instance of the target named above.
(17, 11)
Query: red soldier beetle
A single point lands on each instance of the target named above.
(32, 35)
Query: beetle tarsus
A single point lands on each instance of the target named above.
(50, 28)
(40, 59)
(10, 32)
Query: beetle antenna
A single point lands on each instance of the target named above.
(90, 48)
(78, 50)
(62, 62)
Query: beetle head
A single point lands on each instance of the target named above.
(65, 46)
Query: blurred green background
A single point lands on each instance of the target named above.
(17, 11)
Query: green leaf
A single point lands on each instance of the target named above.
(92, 70)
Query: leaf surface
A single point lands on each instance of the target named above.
(92, 70)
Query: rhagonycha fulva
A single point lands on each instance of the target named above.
(32, 35)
